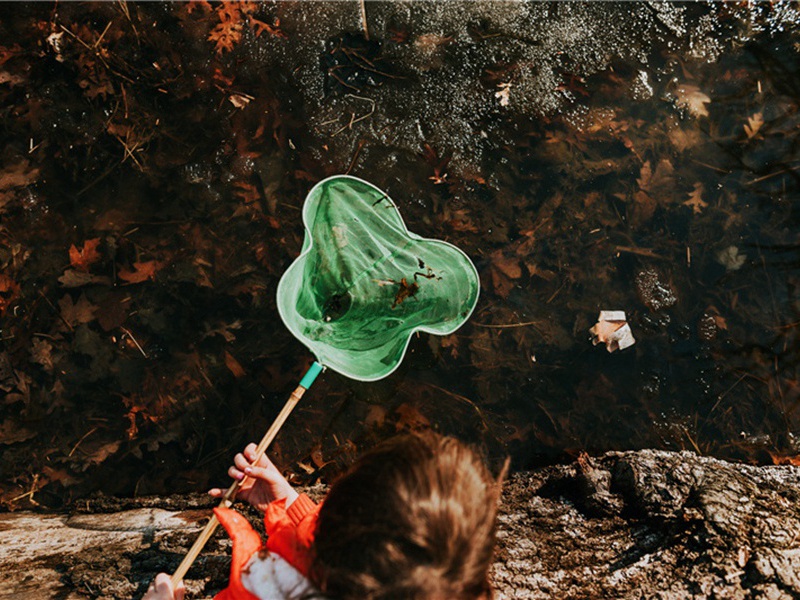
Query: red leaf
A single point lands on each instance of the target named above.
(9, 291)
(85, 257)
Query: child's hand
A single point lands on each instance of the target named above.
(161, 589)
(261, 483)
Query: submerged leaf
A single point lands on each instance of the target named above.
(690, 97)
(142, 271)
(754, 123)
(695, 200)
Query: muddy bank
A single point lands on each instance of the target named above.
(675, 525)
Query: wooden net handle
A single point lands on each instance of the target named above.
(230, 494)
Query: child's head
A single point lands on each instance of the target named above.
(413, 518)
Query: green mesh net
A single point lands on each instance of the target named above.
(363, 284)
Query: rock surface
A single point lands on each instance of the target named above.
(643, 524)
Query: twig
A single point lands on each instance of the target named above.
(134, 341)
(463, 399)
(712, 167)
(363, 5)
(640, 252)
(508, 325)
(102, 35)
(771, 175)
(63, 320)
(689, 437)
(340, 80)
(355, 156)
(85, 435)
(30, 493)
(353, 119)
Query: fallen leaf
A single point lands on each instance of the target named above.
(6, 77)
(409, 417)
(234, 366)
(240, 101)
(19, 174)
(753, 125)
(260, 27)
(780, 459)
(142, 271)
(113, 310)
(504, 89)
(97, 452)
(12, 432)
(85, 257)
(612, 329)
(461, 221)
(76, 313)
(450, 341)
(192, 5)
(656, 181)
(376, 416)
(72, 279)
(683, 139)
(226, 35)
(690, 97)
(730, 258)
(9, 292)
(505, 271)
(644, 207)
(696, 199)
(41, 353)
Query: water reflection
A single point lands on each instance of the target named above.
(637, 157)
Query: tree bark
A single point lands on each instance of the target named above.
(643, 524)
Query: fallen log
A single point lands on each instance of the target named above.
(644, 524)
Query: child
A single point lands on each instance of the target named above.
(413, 518)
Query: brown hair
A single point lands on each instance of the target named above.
(413, 518)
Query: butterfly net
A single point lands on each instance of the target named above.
(363, 284)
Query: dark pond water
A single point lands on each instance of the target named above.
(635, 157)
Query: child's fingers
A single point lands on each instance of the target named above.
(235, 473)
(163, 587)
(240, 462)
(262, 473)
(215, 493)
(250, 454)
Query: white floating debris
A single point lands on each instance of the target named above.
(612, 329)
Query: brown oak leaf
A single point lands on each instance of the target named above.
(695, 200)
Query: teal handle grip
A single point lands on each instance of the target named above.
(314, 370)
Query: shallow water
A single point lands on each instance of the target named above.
(636, 157)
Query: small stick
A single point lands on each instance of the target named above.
(230, 493)
(507, 325)
(640, 252)
(364, 19)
